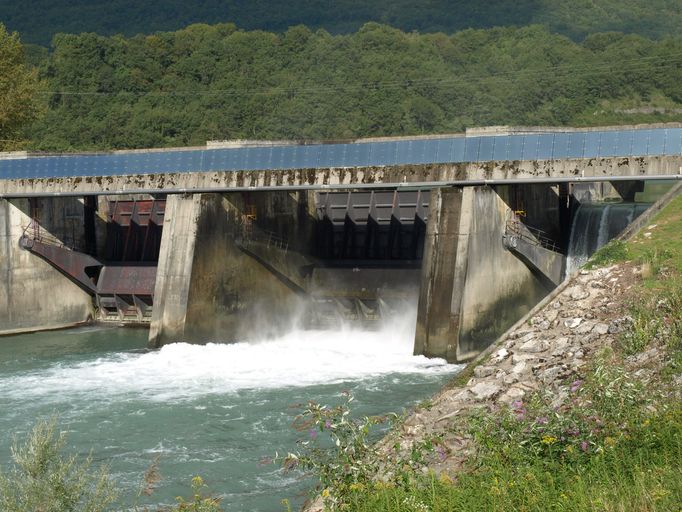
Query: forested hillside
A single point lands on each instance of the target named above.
(217, 82)
(39, 20)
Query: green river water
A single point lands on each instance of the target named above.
(213, 410)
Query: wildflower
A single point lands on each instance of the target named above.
(325, 493)
(609, 441)
(584, 446)
(356, 487)
(517, 404)
(442, 455)
(328, 424)
(542, 420)
(548, 440)
(313, 433)
(575, 385)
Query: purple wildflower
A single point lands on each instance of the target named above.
(576, 385)
(328, 424)
(441, 453)
(313, 433)
(542, 420)
(584, 446)
(517, 404)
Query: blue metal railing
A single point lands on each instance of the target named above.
(453, 149)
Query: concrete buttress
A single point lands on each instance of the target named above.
(174, 271)
(444, 269)
(472, 287)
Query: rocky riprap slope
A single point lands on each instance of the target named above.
(546, 353)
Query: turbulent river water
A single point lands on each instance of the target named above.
(213, 410)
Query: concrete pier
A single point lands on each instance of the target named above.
(473, 288)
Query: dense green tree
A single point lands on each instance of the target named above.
(18, 91)
(218, 82)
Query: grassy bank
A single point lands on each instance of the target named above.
(613, 442)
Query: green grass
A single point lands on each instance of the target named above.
(664, 244)
(613, 252)
(639, 471)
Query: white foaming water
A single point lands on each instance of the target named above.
(183, 371)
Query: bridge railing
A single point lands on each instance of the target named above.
(516, 230)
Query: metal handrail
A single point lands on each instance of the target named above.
(537, 236)
(44, 237)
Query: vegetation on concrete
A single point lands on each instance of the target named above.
(217, 82)
(39, 20)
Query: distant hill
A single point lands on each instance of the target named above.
(38, 20)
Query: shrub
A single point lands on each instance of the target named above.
(42, 479)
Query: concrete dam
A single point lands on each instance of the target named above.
(247, 238)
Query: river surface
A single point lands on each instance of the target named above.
(213, 410)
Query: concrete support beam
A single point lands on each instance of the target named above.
(174, 271)
(627, 189)
(444, 270)
(472, 287)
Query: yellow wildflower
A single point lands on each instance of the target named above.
(549, 440)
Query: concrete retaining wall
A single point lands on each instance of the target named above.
(33, 294)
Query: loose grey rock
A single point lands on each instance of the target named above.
(526, 338)
(544, 325)
(600, 329)
(585, 328)
(518, 368)
(519, 334)
(485, 390)
(550, 374)
(619, 325)
(512, 394)
(534, 346)
(520, 358)
(572, 323)
(483, 371)
(578, 293)
(551, 315)
(500, 355)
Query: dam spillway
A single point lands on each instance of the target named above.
(239, 253)
(594, 225)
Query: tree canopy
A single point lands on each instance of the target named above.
(18, 87)
(218, 82)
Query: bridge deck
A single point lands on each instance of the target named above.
(408, 151)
